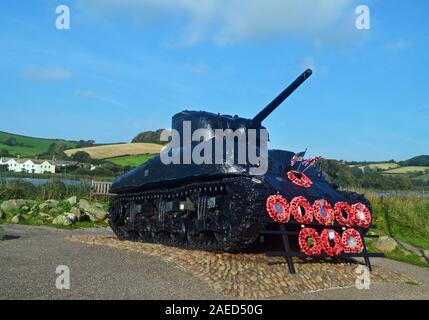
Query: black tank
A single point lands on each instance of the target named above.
(211, 206)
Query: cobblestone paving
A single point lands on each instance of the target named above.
(250, 276)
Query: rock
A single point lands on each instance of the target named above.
(10, 205)
(426, 254)
(17, 219)
(25, 209)
(54, 211)
(93, 212)
(2, 215)
(53, 203)
(62, 220)
(72, 200)
(71, 217)
(385, 244)
(48, 205)
(45, 216)
(77, 213)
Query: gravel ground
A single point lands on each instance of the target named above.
(29, 257)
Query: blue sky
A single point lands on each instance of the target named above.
(127, 66)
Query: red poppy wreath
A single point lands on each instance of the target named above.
(307, 248)
(299, 179)
(297, 205)
(278, 208)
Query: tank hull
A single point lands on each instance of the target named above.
(215, 208)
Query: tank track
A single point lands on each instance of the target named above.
(222, 215)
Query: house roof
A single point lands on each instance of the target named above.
(22, 160)
(40, 161)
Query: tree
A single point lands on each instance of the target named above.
(11, 141)
(4, 153)
(85, 143)
(82, 157)
(56, 150)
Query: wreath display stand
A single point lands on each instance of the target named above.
(291, 230)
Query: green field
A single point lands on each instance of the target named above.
(132, 161)
(424, 177)
(381, 166)
(409, 169)
(30, 146)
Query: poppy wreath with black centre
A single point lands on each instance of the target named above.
(341, 207)
(299, 179)
(306, 248)
(328, 218)
(363, 215)
(295, 209)
(352, 241)
(278, 208)
(325, 241)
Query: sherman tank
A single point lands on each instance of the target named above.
(214, 205)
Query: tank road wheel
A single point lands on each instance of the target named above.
(202, 240)
(161, 237)
(178, 235)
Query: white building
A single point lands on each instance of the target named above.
(29, 166)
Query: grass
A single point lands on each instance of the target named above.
(118, 150)
(424, 177)
(381, 166)
(31, 146)
(399, 255)
(37, 221)
(404, 218)
(132, 161)
(408, 169)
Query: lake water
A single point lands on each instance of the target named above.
(39, 181)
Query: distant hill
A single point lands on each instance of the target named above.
(24, 146)
(422, 160)
(149, 137)
(118, 150)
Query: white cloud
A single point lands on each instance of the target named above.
(48, 74)
(226, 22)
(398, 45)
(88, 94)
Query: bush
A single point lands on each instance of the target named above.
(20, 189)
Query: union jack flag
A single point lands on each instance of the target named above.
(309, 162)
(297, 157)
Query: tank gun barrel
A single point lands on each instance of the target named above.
(261, 116)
